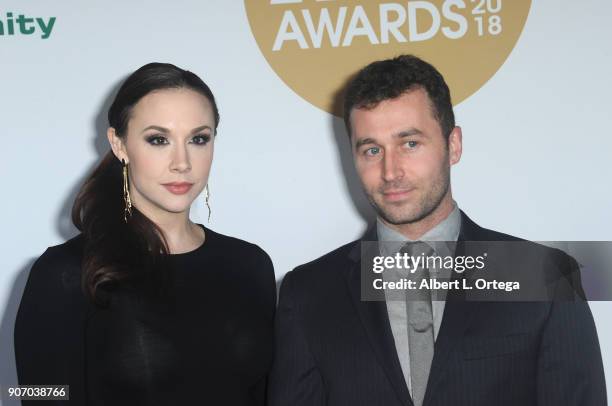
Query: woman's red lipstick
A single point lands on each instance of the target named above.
(178, 188)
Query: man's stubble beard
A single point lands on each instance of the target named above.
(423, 208)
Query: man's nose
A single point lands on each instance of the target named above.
(392, 169)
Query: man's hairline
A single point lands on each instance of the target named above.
(368, 107)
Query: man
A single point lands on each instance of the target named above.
(334, 348)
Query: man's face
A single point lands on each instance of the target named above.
(403, 159)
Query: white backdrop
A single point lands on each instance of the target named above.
(537, 142)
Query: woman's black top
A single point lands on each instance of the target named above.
(209, 341)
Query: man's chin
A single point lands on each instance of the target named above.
(398, 218)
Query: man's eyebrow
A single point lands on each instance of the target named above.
(363, 142)
(409, 133)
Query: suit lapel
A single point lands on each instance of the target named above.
(458, 314)
(457, 317)
(375, 320)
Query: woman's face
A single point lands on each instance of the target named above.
(169, 149)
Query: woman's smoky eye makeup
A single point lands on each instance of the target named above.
(159, 139)
(155, 139)
(201, 139)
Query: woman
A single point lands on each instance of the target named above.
(144, 307)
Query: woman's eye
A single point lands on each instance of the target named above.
(157, 140)
(201, 139)
(372, 151)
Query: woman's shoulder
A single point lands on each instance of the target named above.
(70, 251)
(246, 260)
(234, 245)
(60, 264)
(239, 254)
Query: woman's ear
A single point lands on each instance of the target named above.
(116, 144)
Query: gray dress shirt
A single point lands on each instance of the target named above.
(390, 242)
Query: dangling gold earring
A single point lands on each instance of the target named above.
(206, 197)
(126, 193)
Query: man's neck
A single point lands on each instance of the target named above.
(416, 230)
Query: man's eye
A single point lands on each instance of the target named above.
(411, 144)
(372, 151)
(157, 140)
(201, 139)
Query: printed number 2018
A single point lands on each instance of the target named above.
(492, 6)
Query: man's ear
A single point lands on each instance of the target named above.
(455, 145)
(117, 144)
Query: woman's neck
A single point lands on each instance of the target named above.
(182, 235)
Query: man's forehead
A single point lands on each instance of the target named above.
(409, 107)
(412, 99)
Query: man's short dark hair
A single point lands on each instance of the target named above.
(390, 78)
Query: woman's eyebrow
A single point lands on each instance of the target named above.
(166, 130)
(200, 128)
(158, 128)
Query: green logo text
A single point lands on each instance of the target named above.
(24, 25)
